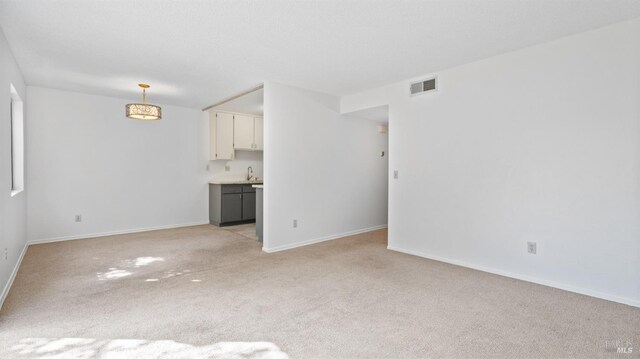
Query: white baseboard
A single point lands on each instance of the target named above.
(7, 287)
(322, 239)
(112, 233)
(569, 288)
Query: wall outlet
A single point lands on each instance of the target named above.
(295, 223)
(6, 253)
(78, 218)
(395, 174)
(208, 167)
(227, 168)
(531, 247)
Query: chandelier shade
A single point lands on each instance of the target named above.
(143, 111)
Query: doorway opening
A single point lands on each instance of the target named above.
(236, 145)
(379, 140)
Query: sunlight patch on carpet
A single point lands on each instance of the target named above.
(143, 261)
(113, 273)
(58, 348)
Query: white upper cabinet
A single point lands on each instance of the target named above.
(247, 133)
(233, 131)
(258, 134)
(243, 129)
(221, 136)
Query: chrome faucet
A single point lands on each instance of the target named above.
(249, 173)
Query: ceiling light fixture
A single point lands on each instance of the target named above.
(144, 111)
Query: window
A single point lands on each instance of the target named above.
(17, 143)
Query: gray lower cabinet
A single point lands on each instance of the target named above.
(231, 208)
(231, 204)
(259, 213)
(249, 206)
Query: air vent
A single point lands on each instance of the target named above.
(423, 86)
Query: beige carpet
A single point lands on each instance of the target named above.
(246, 230)
(209, 292)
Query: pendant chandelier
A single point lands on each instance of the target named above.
(144, 111)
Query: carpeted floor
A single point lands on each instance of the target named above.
(205, 292)
(246, 230)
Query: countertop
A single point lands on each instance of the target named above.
(236, 181)
(258, 186)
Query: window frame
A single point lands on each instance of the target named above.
(16, 120)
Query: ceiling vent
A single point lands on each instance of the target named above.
(424, 86)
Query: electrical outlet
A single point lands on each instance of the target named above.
(531, 247)
(208, 167)
(6, 253)
(295, 223)
(395, 174)
(78, 218)
(227, 168)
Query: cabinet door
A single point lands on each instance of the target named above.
(248, 206)
(214, 203)
(231, 207)
(258, 134)
(224, 136)
(242, 132)
(213, 123)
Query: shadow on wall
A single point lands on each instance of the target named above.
(133, 348)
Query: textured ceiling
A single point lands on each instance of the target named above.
(194, 53)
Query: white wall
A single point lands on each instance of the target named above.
(542, 145)
(86, 157)
(238, 167)
(321, 168)
(13, 210)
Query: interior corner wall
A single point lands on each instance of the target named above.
(86, 158)
(320, 168)
(537, 145)
(13, 209)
